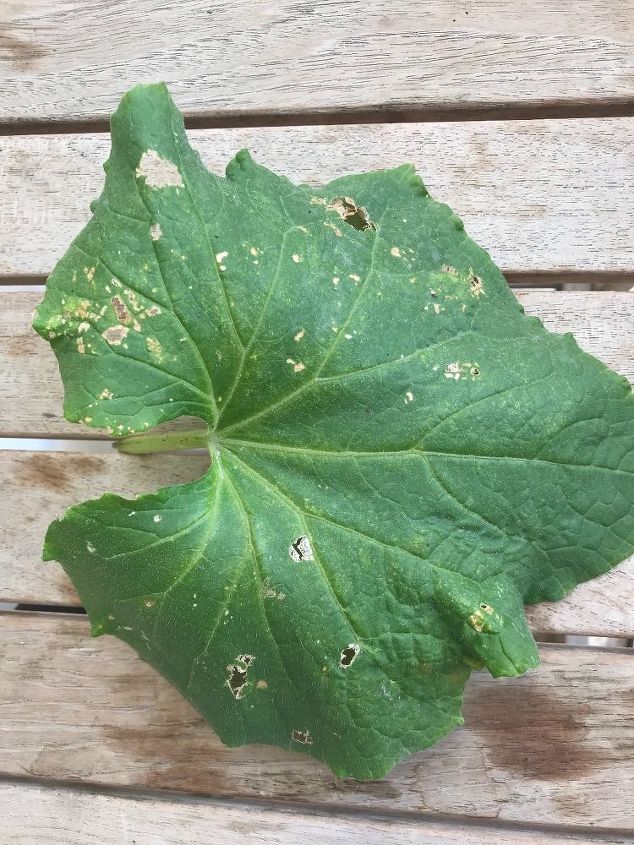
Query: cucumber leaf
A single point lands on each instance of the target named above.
(401, 459)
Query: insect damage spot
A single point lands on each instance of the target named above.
(237, 675)
(302, 736)
(457, 370)
(155, 231)
(301, 549)
(123, 315)
(351, 213)
(298, 366)
(477, 620)
(475, 283)
(349, 655)
(154, 348)
(114, 335)
(158, 172)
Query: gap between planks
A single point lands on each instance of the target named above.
(550, 279)
(556, 109)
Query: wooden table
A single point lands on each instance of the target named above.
(519, 116)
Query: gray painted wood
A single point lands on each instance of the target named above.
(56, 816)
(223, 60)
(543, 196)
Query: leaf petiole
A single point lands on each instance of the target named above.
(171, 441)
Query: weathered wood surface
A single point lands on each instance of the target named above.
(64, 62)
(39, 486)
(542, 196)
(31, 389)
(57, 816)
(553, 746)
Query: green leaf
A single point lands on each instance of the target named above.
(400, 457)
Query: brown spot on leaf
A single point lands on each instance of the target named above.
(123, 315)
(114, 335)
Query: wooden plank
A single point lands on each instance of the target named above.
(31, 390)
(238, 58)
(50, 815)
(39, 486)
(554, 745)
(542, 196)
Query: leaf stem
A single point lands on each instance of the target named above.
(171, 441)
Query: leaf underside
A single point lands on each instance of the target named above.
(400, 457)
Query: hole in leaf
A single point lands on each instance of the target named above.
(475, 282)
(351, 213)
(302, 736)
(301, 549)
(237, 675)
(348, 655)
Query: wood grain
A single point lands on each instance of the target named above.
(31, 391)
(554, 745)
(225, 60)
(39, 486)
(542, 196)
(56, 816)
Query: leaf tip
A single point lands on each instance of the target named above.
(243, 160)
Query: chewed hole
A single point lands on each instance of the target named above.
(351, 213)
(237, 680)
(301, 549)
(302, 736)
(348, 655)
(237, 675)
